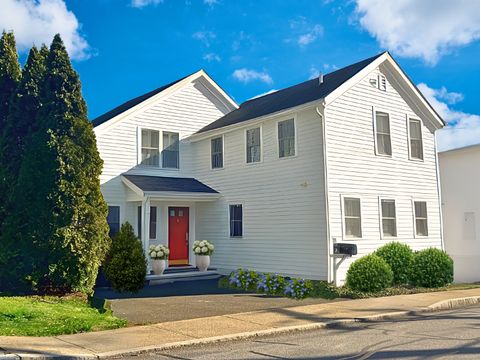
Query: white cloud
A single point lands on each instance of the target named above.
(37, 21)
(263, 94)
(211, 57)
(312, 35)
(303, 32)
(463, 129)
(211, 2)
(424, 29)
(314, 72)
(204, 36)
(249, 75)
(142, 3)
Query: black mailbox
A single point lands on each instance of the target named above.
(344, 249)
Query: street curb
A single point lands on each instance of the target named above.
(439, 306)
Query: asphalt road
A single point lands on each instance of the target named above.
(446, 335)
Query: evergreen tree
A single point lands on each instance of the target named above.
(60, 208)
(9, 76)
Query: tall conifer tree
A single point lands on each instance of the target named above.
(61, 200)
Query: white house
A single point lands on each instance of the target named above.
(348, 157)
(460, 180)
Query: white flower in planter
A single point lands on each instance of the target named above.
(210, 247)
(197, 250)
(204, 249)
(160, 253)
(158, 248)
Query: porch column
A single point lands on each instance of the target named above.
(146, 226)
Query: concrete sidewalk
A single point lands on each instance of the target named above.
(228, 327)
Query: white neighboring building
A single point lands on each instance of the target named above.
(460, 183)
(275, 182)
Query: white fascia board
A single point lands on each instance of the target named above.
(232, 104)
(133, 187)
(247, 123)
(176, 195)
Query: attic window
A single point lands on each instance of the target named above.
(382, 83)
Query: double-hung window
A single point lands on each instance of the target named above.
(286, 138)
(153, 222)
(389, 218)
(170, 152)
(217, 152)
(353, 217)
(113, 220)
(236, 220)
(383, 139)
(415, 139)
(254, 148)
(150, 147)
(421, 218)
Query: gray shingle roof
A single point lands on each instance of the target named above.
(162, 183)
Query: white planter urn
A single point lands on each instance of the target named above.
(159, 266)
(203, 261)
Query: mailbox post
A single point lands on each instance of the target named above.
(341, 251)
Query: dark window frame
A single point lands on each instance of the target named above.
(236, 220)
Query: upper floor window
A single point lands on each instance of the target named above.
(113, 220)
(236, 221)
(170, 152)
(253, 145)
(421, 219)
(286, 138)
(383, 140)
(415, 139)
(389, 218)
(353, 217)
(150, 147)
(217, 152)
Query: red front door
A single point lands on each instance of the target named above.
(178, 235)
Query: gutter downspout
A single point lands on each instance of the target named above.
(439, 190)
(330, 278)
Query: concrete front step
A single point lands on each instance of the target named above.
(174, 276)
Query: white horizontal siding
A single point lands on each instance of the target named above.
(354, 169)
(284, 221)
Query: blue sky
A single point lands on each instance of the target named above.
(123, 48)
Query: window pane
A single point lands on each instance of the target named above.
(139, 222)
(170, 153)
(153, 222)
(150, 147)
(415, 129)
(389, 227)
(236, 220)
(420, 209)
(422, 227)
(253, 145)
(113, 220)
(384, 145)
(383, 123)
(286, 138)
(416, 149)
(388, 208)
(217, 153)
(352, 207)
(353, 227)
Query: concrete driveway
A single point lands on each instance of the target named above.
(190, 300)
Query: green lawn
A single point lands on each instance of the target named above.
(48, 316)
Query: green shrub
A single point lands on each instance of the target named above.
(399, 256)
(244, 279)
(271, 284)
(369, 273)
(126, 266)
(431, 268)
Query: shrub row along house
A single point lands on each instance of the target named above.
(347, 157)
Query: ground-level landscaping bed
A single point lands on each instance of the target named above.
(49, 316)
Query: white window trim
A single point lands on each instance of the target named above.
(294, 117)
(374, 116)
(342, 209)
(229, 219)
(223, 152)
(139, 148)
(408, 118)
(161, 149)
(245, 144)
(414, 200)
(380, 198)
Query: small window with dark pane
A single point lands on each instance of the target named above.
(383, 140)
(113, 220)
(254, 147)
(286, 138)
(153, 222)
(416, 143)
(421, 218)
(236, 221)
(353, 217)
(171, 150)
(217, 153)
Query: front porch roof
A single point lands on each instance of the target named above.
(169, 187)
